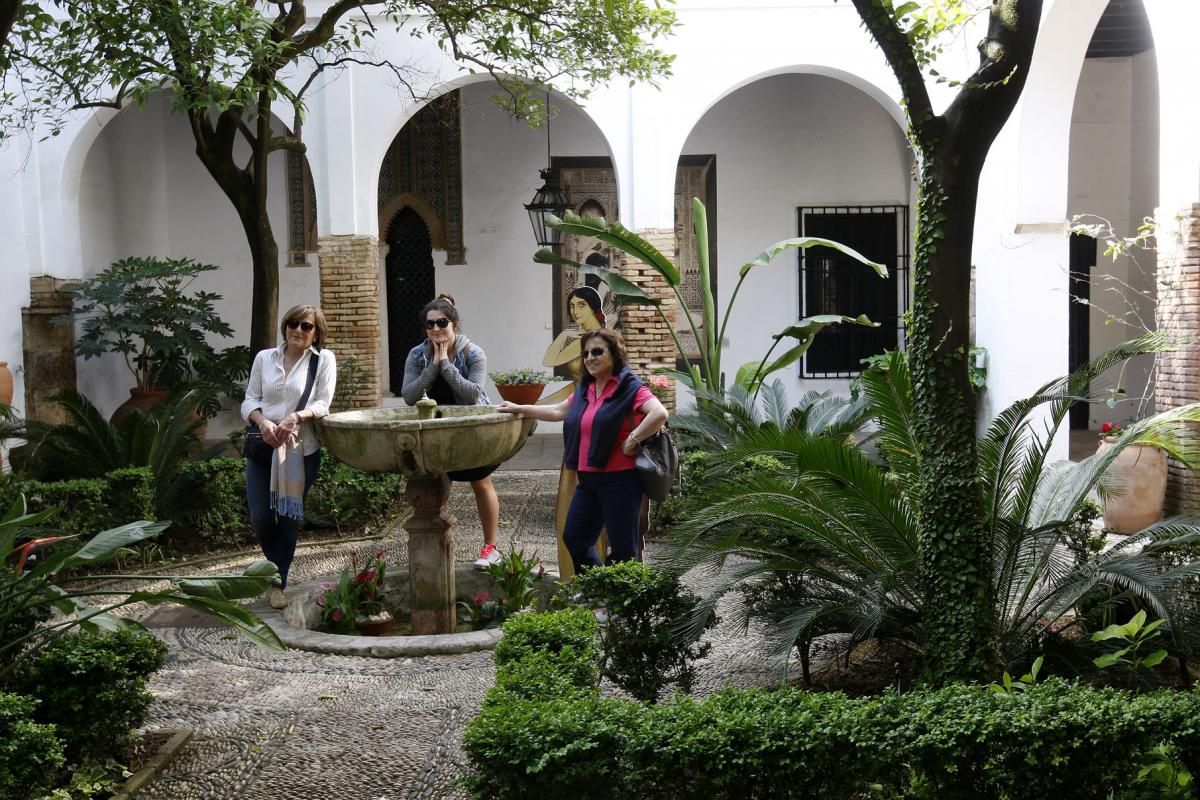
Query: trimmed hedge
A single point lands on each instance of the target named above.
(208, 499)
(346, 498)
(88, 505)
(1056, 739)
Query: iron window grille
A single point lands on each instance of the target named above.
(831, 283)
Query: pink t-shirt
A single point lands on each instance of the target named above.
(617, 460)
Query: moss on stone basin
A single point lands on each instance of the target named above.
(394, 440)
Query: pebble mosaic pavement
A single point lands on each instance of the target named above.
(307, 725)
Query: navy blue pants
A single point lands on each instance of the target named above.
(276, 535)
(611, 500)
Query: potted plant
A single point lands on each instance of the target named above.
(355, 601)
(521, 386)
(142, 308)
(1138, 479)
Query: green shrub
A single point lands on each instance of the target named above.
(644, 648)
(549, 654)
(17, 620)
(130, 494)
(92, 688)
(30, 753)
(87, 504)
(1054, 740)
(76, 505)
(346, 498)
(208, 499)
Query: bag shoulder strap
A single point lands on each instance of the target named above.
(313, 360)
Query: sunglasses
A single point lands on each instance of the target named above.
(304, 326)
(441, 322)
(595, 352)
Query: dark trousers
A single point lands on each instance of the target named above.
(276, 535)
(611, 500)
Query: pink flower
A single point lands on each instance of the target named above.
(481, 598)
(337, 615)
(660, 381)
(541, 570)
(379, 553)
(325, 586)
(320, 600)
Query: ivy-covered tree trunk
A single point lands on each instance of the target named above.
(954, 544)
(952, 146)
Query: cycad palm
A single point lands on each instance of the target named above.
(840, 529)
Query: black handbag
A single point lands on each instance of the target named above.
(254, 448)
(658, 465)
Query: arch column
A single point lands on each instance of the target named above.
(349, 298)
(1178, 215)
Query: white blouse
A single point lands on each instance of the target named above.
(276, 394)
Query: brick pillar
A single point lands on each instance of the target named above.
(646, 335)
(48, 349)
(350, 300)
(1178, 313)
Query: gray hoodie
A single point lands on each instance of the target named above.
(465, 373)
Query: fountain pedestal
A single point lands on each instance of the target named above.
(425, 449)
(430, 554)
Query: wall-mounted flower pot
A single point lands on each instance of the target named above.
(523, 394)
(1141, 471)
(6, 384)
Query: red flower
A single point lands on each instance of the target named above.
(379, 553)
(481, 598)
(337, 615)
(1106, 427)
(365, 576)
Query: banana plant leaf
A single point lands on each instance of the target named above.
(619, 237)
(624, 290)
(256, 579)
(751, 374)
(231, 614)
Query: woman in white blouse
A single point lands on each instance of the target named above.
(276, 385)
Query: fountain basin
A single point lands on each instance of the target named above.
(394, 440)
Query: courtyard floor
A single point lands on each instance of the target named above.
(307, 725)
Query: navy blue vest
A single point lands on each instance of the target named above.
(605, 425)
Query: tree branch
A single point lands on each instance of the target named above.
(987, 99)
(885, 30)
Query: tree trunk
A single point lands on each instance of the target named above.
(955, 553)
(264, 299)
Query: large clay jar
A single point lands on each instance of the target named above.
(1140, 471)
(144, 399)
(6, 384)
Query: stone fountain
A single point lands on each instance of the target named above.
(425, 443)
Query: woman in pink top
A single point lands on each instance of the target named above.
(610, 412)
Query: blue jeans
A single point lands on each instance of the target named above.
(611, 500)
(276, 535)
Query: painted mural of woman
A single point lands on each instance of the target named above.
(587, 314)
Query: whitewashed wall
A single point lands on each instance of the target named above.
(783, 142)
(62, 210)
(1114, 175)
(143, 192)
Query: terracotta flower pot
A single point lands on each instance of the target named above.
(1141, 472)
(523, 394)
(146, 399)
(6, 384)
(373, 627)
(143, 399)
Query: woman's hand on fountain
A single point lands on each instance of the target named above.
(507, 407)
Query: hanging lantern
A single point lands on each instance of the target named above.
(548, 200)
